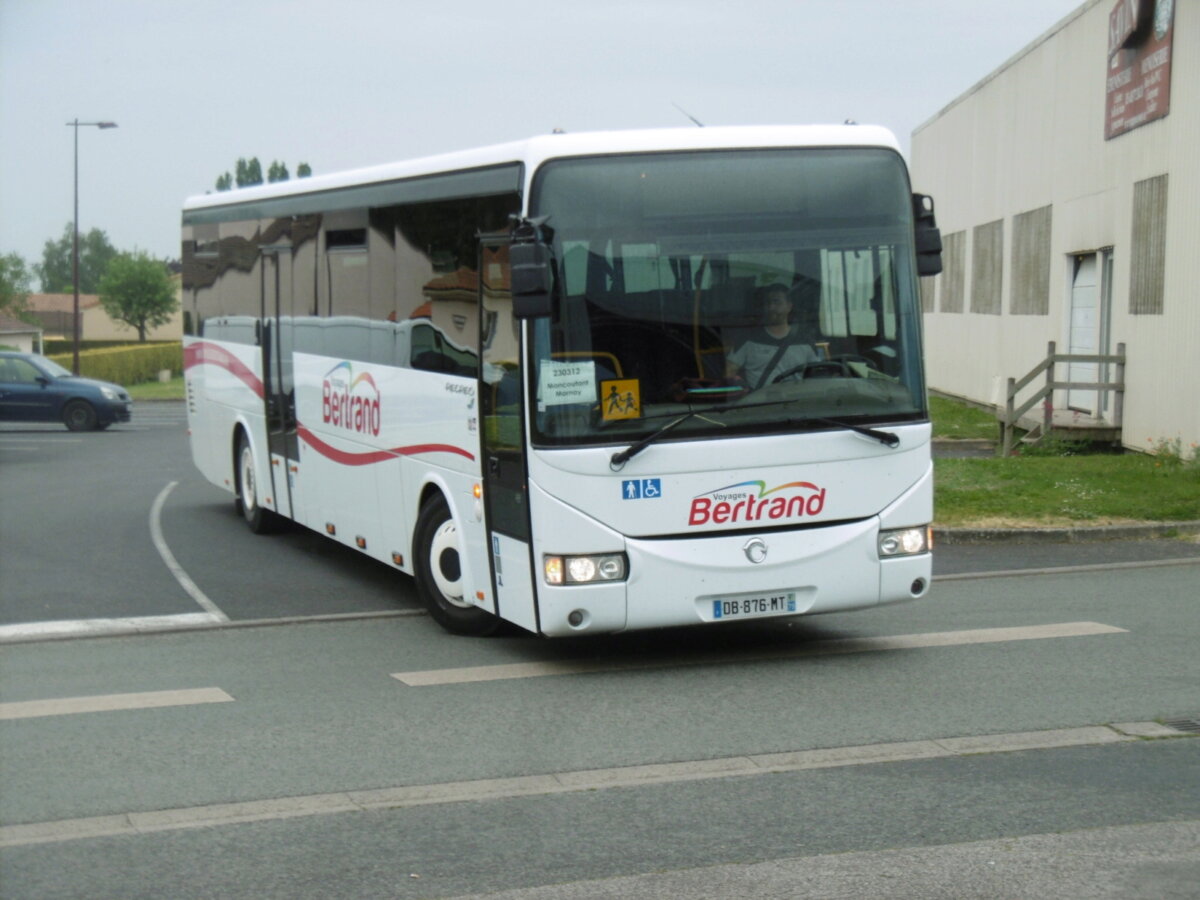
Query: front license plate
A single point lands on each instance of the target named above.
(780, 604)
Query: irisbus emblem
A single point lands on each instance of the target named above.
(752, 502)
(349, 401)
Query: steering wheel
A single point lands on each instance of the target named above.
(833, 367)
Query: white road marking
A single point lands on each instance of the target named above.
(168, 557)
(70, 628)
(470, 674)
(65, 706)
(87, 628)
(135, 823)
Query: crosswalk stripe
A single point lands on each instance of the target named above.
(470, 674)
(63, 706)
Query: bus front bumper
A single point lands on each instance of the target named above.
(685, 581)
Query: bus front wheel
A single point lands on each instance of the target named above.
(438, 562)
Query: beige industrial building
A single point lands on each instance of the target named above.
(1067, 185)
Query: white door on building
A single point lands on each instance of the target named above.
(1088, 328)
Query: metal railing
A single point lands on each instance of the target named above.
(1045, 395)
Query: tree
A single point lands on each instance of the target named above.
(55, 270)
(15, 279)
(249, 173)
(136, 289)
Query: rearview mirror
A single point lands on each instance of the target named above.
(926, 235)
(532, 271)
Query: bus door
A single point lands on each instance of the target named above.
(502, 440)
(279, 382)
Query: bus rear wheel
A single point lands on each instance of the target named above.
(438, 563)
(260, 521)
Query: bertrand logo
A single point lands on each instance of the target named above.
(753, 501)
(350, 402)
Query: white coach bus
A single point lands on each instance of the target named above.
(582, 383)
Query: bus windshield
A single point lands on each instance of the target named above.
(769, 289)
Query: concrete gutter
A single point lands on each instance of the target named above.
(1068, 535)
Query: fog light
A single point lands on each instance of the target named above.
(575, 618)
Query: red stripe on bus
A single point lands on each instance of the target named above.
(204, 353)
(373, 456)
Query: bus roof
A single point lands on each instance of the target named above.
(536, 150)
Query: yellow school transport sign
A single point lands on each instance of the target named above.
(621, 399)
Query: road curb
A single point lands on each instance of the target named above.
(1071, 535)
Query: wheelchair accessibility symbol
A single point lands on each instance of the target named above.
(641, 489)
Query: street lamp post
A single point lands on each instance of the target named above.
(75, 245)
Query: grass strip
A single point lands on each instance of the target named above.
(158, 390)
(1100, 489)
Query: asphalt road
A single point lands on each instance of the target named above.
(76, 538)
(1001, 738)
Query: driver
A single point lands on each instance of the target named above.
(771, 349)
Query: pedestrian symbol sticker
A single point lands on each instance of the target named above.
(620, 399)
(641, 488)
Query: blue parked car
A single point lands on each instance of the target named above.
(35, 389)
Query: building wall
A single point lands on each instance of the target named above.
(1029, 136)
(25, 341)
(97, 326)
(54, 313)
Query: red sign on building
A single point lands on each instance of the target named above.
(1139, 64)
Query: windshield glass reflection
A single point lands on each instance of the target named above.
(775, 285)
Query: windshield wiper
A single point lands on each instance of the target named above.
(884, 437)
(887, 438)
(619, 459)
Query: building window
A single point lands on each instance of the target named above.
(987, 268)
(1031, 263)
(1148, 247)
(953, 271)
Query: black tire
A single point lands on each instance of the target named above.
(79, 415)
(259, 520)
(438, 567)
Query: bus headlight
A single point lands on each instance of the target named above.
(584, 569)
(905, 542)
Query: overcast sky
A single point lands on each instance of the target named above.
(346, 83)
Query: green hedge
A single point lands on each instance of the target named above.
(55, 346)
(130, 364)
